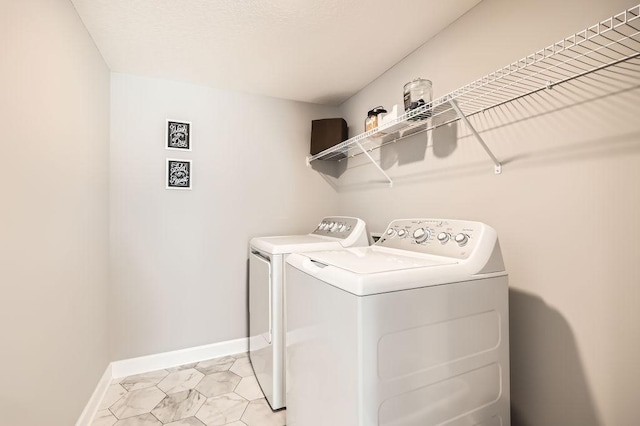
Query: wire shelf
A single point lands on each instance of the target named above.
(613, 41)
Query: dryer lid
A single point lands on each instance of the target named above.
(292, 243)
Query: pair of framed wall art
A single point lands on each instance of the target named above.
(179, 172)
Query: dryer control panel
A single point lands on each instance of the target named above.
(337, 227)
(450, 238)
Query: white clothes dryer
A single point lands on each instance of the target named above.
(412, 331)
(267, 300)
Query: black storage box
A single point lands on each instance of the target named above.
(326, 133)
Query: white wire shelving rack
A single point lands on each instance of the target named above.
(610, 42)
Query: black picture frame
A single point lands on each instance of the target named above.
(178, 135)
(179, 174)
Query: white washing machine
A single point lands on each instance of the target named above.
(412, 331)
(266, 295)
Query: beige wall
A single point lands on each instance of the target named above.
(53, 214)
(178, 258)
(565, 206)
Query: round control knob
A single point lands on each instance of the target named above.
(390, 232)
(443, 237)
(462, 239)
(421, 235)
(334, 227)
(402, 233)
(342, 227)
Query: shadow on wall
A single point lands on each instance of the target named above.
(331, 168)
(445, 140)
(548, 385)
(414, 149)
(411, 150)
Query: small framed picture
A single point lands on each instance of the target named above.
(179, 174)
(178, 135)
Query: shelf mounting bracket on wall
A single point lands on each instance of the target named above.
(364, 151)
(497, 165)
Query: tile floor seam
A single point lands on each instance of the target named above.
(198, 411)
(156, 417)
(244, 411)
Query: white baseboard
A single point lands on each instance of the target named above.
(89, 412)
(144, 364)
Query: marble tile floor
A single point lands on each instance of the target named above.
(217, 392)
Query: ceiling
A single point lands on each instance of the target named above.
(320, 51)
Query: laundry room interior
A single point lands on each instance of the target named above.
(103, 265)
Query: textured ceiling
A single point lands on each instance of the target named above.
(320, 51)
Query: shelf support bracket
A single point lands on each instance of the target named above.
(498, 166)
(364, 151)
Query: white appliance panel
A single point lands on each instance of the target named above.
(265, 284)
(260, 285)
(418, 355)
(267, 299)
(317, 357)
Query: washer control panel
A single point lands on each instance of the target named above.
(336, 227)
(451, 238)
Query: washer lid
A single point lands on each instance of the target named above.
(372, 260)
(292, 243)
(365, 271)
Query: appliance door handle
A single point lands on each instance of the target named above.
(261, 256)
(319, 264)
(313, 266)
